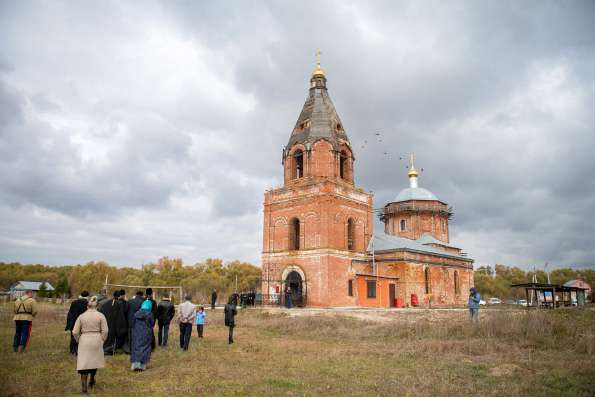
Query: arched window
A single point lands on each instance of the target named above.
(403, 225)
(294, 234)
(298, 161)
(457, 283)
(343, 165)
(350, 234)
(428, 280)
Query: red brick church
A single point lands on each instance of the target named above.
(319, 244)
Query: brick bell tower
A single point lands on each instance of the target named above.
(318, 221)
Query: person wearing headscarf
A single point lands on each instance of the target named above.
(230, 312)
(142, 335)
(149, 296)
(116, 321)
(77, 307)
(90, 331)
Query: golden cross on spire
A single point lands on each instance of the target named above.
(318, 70)
(412, 170)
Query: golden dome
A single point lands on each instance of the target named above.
(412, 172)
(318, 72)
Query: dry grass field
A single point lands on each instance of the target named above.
(417, 353)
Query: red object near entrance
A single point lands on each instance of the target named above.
(414, 300)
(399, 302)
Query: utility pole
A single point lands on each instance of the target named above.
(375, 270)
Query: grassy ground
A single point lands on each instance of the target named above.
(421, 353)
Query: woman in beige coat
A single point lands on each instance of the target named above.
(90, 331)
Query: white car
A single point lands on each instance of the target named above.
(482, 302)
(521, 302)
(494, 301)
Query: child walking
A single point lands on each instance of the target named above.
(200, 320)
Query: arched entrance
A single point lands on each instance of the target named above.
(293, 285)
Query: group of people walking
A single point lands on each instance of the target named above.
(100, 326)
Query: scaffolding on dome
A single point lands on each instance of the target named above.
(393, 208)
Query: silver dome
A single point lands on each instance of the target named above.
(415, 193)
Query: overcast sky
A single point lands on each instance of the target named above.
(132, 131)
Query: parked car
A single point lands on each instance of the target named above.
(511, 302)
(482, 302)
(494, 301)
(522, 302)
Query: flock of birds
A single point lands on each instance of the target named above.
(385, 153)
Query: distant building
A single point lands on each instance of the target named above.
(580, 284)
(319, 246)
(19, 288)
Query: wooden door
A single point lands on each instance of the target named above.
(391, 295)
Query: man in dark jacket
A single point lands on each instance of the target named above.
(77, 307)
(132, 306)
(230, 315)
(116, 324)
(123, 341)
(213, 298)
(165, 313)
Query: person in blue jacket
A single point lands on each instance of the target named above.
(474, 299)
(200, 320)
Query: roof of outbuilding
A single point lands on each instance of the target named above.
(386, 242)
(572, 283)
(32, 285)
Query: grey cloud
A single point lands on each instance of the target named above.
(438, 79)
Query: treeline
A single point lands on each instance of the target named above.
(495, 281)
(198, 279)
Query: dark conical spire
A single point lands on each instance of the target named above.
(318, 119)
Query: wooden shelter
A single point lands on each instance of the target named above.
(552, 295)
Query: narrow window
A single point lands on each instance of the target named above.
(428, 281)
(298, 159)
(371, 284)
(457, 284)
(294, 234)
(350, 287)
(343, 166)
(403, 225)
(350, 235)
